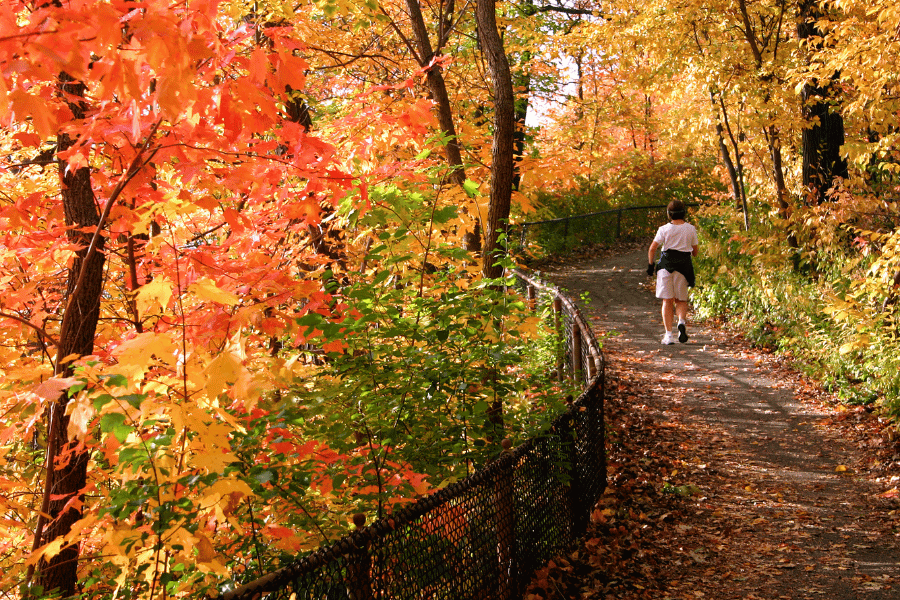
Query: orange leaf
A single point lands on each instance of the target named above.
(334, 346)
(205, 550)
(259, 66)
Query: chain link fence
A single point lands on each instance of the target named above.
(482, 537)
(605, 228)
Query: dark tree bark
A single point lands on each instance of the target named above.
(784, 208)
(437, 84)
(523, 89)
(502, 149)
(729, 165)
(67, 468)
(823, 135)
(735, 166)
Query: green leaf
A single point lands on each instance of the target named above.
(445, 214)
(114, 423)
(117, 381)
(133, 399)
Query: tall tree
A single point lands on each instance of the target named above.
(503, 145)
(734, 166)
(66, 464)
(428, 56)
(823, 135)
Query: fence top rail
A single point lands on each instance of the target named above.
(409, 513)
(602, 212)
(571, 308)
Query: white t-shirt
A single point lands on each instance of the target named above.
(682, 237)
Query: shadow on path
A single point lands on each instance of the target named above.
(786, 506)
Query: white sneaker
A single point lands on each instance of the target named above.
(668, 339)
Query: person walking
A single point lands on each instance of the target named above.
(675, 269)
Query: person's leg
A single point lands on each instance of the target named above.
(668, 313)
(681, 306)
(681, 309)
(666, 293)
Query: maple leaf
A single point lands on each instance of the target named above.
(207, 289)
(80, 413)
(155, 293)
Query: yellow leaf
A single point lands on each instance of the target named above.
(848, 347)
(156, 293)
(840, 469)
(224, 370)
(80, 413)
(206, 288)
(141, 348)
(4, 100)
(529, 326)
(46, 551)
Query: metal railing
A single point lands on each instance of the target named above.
(605, 228)
(485, 535)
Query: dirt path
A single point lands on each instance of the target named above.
(731, 476)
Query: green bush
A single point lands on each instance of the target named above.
(821, 304)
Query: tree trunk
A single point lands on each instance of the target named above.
(523, 88)
(67, 470)
(784, 209)
(438, 92)
(729, 164)
(502, 149)
(734, 166)
(823, 134)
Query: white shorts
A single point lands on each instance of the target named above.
(671, 285)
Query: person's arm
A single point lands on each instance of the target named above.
(695, 250)
(651, 253)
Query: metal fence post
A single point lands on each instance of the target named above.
(576, 491)
(359, 578)
(506, 528)
(598, 434)
(560, 352)
(577, 366)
